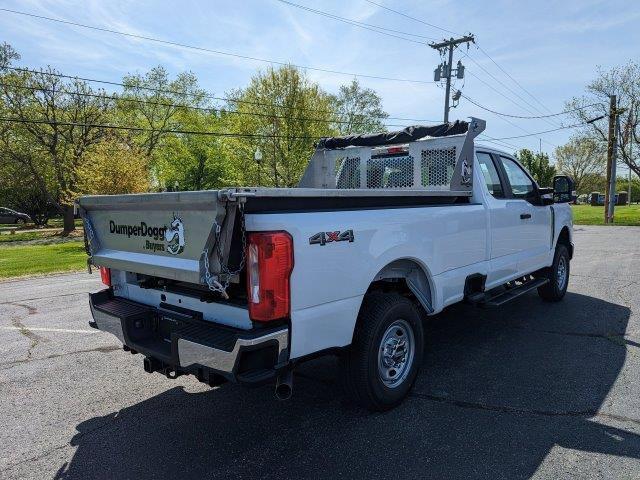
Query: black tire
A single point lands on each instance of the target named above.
(554, 290)
(20, 221)
(362, 376)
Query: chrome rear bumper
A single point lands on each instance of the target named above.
(184, 343)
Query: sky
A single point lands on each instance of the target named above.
(551, 48)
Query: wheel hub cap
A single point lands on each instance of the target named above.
(561, 274)
(396, 352)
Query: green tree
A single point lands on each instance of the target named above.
(55, 122)
(282, 113)
(594, 182)
(194, 162)
(114, 166)
(622, 185)
(538, 166)
(581, 157)
(359, 110)
(154, 102)
(623, 81)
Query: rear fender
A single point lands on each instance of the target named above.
(414, 275)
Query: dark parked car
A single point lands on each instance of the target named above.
(11, 216)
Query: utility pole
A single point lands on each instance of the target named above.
(611, 162)
(614, 174)
(630, 172)
(446, 70)
(630, 177)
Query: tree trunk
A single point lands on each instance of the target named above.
(68, 220)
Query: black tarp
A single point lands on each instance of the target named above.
(406, 135)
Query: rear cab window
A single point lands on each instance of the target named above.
(490, 174)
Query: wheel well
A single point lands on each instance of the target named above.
(565, 239)
(407, 277)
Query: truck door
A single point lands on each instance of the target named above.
(533, 220)
(503, 229)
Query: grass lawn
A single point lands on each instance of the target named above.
(52, 223)
(20, 237)
(588, 215)
(34, 237)
(37, 259)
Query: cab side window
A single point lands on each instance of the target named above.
(521, 185)
(490, 174)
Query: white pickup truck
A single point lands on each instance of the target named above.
(243, 284)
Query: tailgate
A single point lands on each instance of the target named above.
(159, 234)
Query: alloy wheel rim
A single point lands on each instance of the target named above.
(396, 353)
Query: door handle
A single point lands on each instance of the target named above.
(524, 216)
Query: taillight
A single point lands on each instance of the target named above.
(269, 266)
(105, 275)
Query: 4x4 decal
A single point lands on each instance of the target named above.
(322, 238)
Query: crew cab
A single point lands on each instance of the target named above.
(243, 284)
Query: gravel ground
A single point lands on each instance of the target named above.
(532, 390)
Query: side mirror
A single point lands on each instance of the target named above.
(545, 196)
(563, 189)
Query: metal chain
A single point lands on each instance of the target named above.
(90, 235)
(213, 281)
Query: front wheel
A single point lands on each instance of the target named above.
(382, 363)
(558, 275)
(20, 221)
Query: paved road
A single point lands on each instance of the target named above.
(534, 390)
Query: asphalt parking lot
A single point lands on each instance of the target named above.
(533, 390)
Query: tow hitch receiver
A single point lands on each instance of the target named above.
(176, 343)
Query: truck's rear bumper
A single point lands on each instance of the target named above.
(176, 341)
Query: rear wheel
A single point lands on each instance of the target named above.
(558, 275)
(382, 363)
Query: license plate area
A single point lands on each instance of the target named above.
(151, 333)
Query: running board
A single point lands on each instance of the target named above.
(487, 300)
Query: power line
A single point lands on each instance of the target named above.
(508, 98)
(513, 79)
(190, 94)
(488, 139)
(526, 117)
(543, 132)
(505, 86)
(216, 52)
(473, 60)
(503, 118)
(366, 26)
(223, 134)
(153, 130)
(412, 18)
(190, 107)
(370, 26)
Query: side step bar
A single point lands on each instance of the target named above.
(486, 299)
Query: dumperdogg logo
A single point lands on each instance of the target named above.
(174, 236)
(466, 173)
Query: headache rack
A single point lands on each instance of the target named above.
(418, 160)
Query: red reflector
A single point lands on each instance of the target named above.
(105, 275)
(396, 150)
(269, 266)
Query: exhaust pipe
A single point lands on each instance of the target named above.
(284, 385)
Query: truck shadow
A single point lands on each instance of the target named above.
(499, 389)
